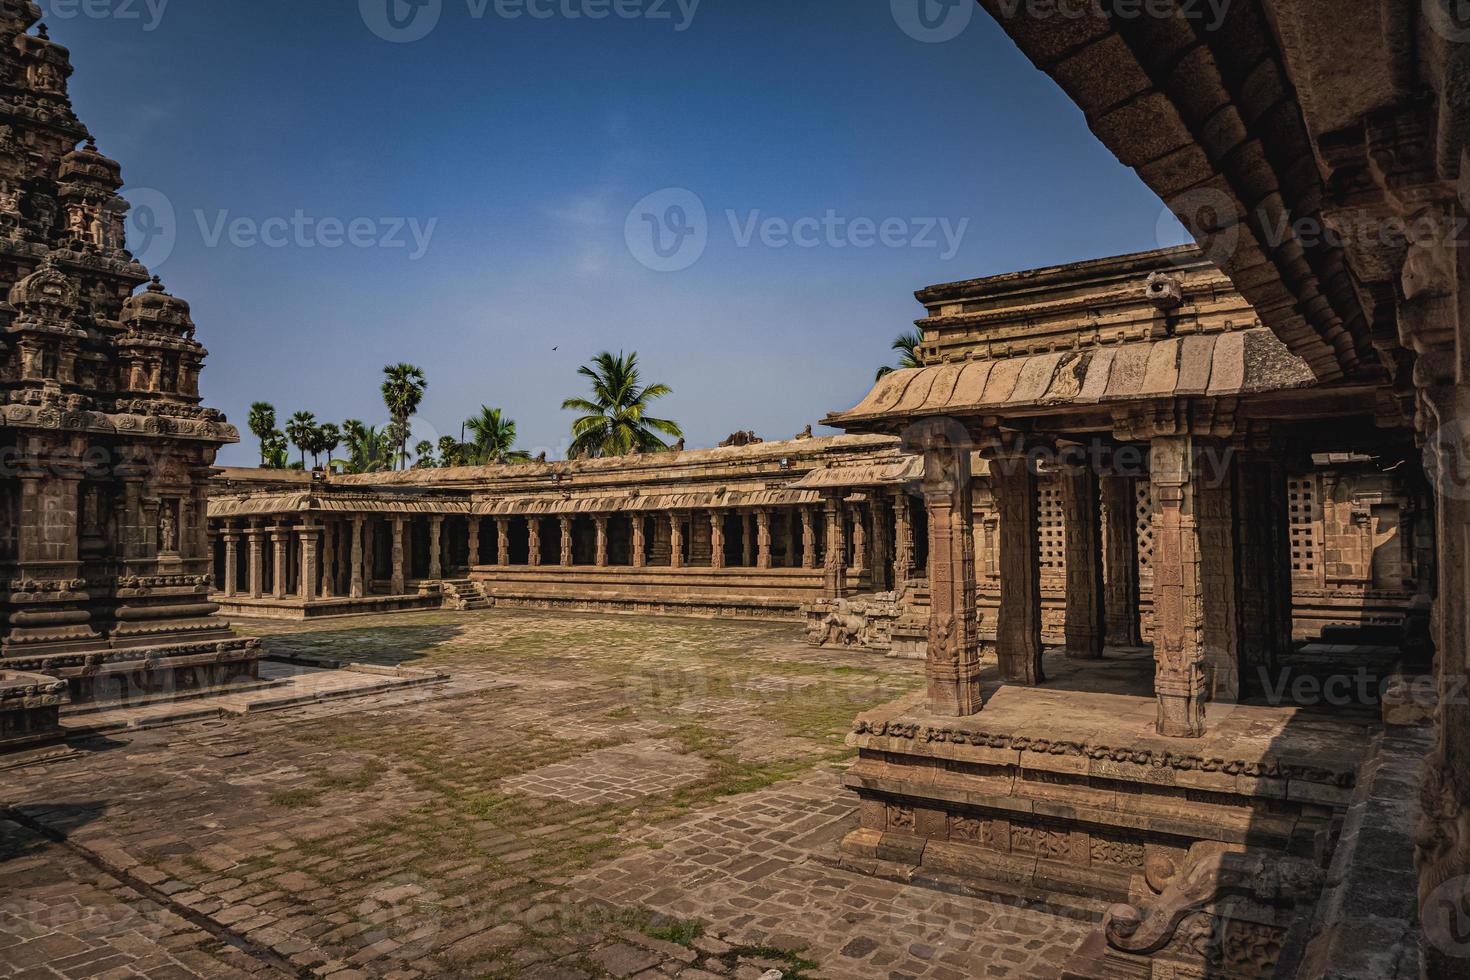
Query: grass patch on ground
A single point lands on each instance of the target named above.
(295, 799)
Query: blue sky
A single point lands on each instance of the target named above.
(839, 162)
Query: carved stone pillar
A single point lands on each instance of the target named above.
(369, 553)
(808, 539)
(903, 539)
(1018, 628)
(309, 568)
(1179, 675)
(952, 666)
(568, 553)
(280, 545)
(502, 541)
(232, 559)
(399, 584)
(1265, 572)
(859, 540)
(436, 533)
(256, 534)
(881, 568)
(747, 540)
(1086, 609)
(792, 523)
(1219, 580)
(763, 538)
(716, 539)
(601, 522)
(533, 542)
(639, 541)
(474, 526)
(676, 541)
(834, 571)
(1120, 545)
(355, 589)
(329, 559)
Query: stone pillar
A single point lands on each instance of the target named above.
(436, 534)
(834, 572)
(533, 541)
(502, 541)
(1120, 545)
(329, 559)
(859, 540)
(903, 539)
(952, 666)
(747, 540)
(355, 530)
(716, 539)
(878, 543)
(808, 539)
(1219, 582)
(280, 543)
(1018, 627)
(568, 553)
(1086, 624)
(256, 535)
(399, 584)
(793, 537)
(676, 541)
(763, 538)
(1179, 675)
(232, 557)
(309, 567)
(369, 553)
(1264, 567)
(601, 522)
(639, 541)
(474, 526)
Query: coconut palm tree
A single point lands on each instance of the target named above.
(403, 392)
(907, 344)
(301, 430)
(368, 449)
(615, 421)
(263, 425)
(494, 438)
(451, 451)
(275, 447)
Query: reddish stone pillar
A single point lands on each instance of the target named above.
(399, 583)
(231, 584)
(878, 543)
(568, 553)
(1179, 675)
(808, 539)
(834, 575)
(903, 539)
(747, 540)
(533, 542)
(716, 539)
(280, 545)
(601, 522)
(763, 538)
(436, 533)
(1219, 580)
(1120, 545)
(473, 524)
(309, 568)
(952, 666)
(676, 541)
(502, 541)
(640, 542)
(1018, 629)
(355, 589)
(329, 559)
(859, 540)
(1086, 608)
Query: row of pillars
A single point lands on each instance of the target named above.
(311, 561)
(1222, 585)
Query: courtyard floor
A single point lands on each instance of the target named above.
(651, 798)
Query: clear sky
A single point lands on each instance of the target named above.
(837, 155)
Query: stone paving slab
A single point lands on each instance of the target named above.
(616, 775)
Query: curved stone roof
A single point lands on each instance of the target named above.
(1206, 365)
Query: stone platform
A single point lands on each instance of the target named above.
(113, 674)
(1066, 789)
(30, 706)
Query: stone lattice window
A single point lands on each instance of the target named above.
(1145, 517)
(1052, 530)
(1305, 502)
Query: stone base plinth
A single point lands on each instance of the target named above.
(292, 608)
(30, 707)
(121, 674)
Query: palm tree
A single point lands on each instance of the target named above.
(615, 421)
(451, 451)
(424, 450)
(494, 438)
(403, 392)
(262, 425)
(325, 442)
(301, 430)
(275, 447)
(368, 450)
(907, 344)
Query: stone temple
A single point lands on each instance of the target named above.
(1154, 568)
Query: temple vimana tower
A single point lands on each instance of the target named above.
(106, 446)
